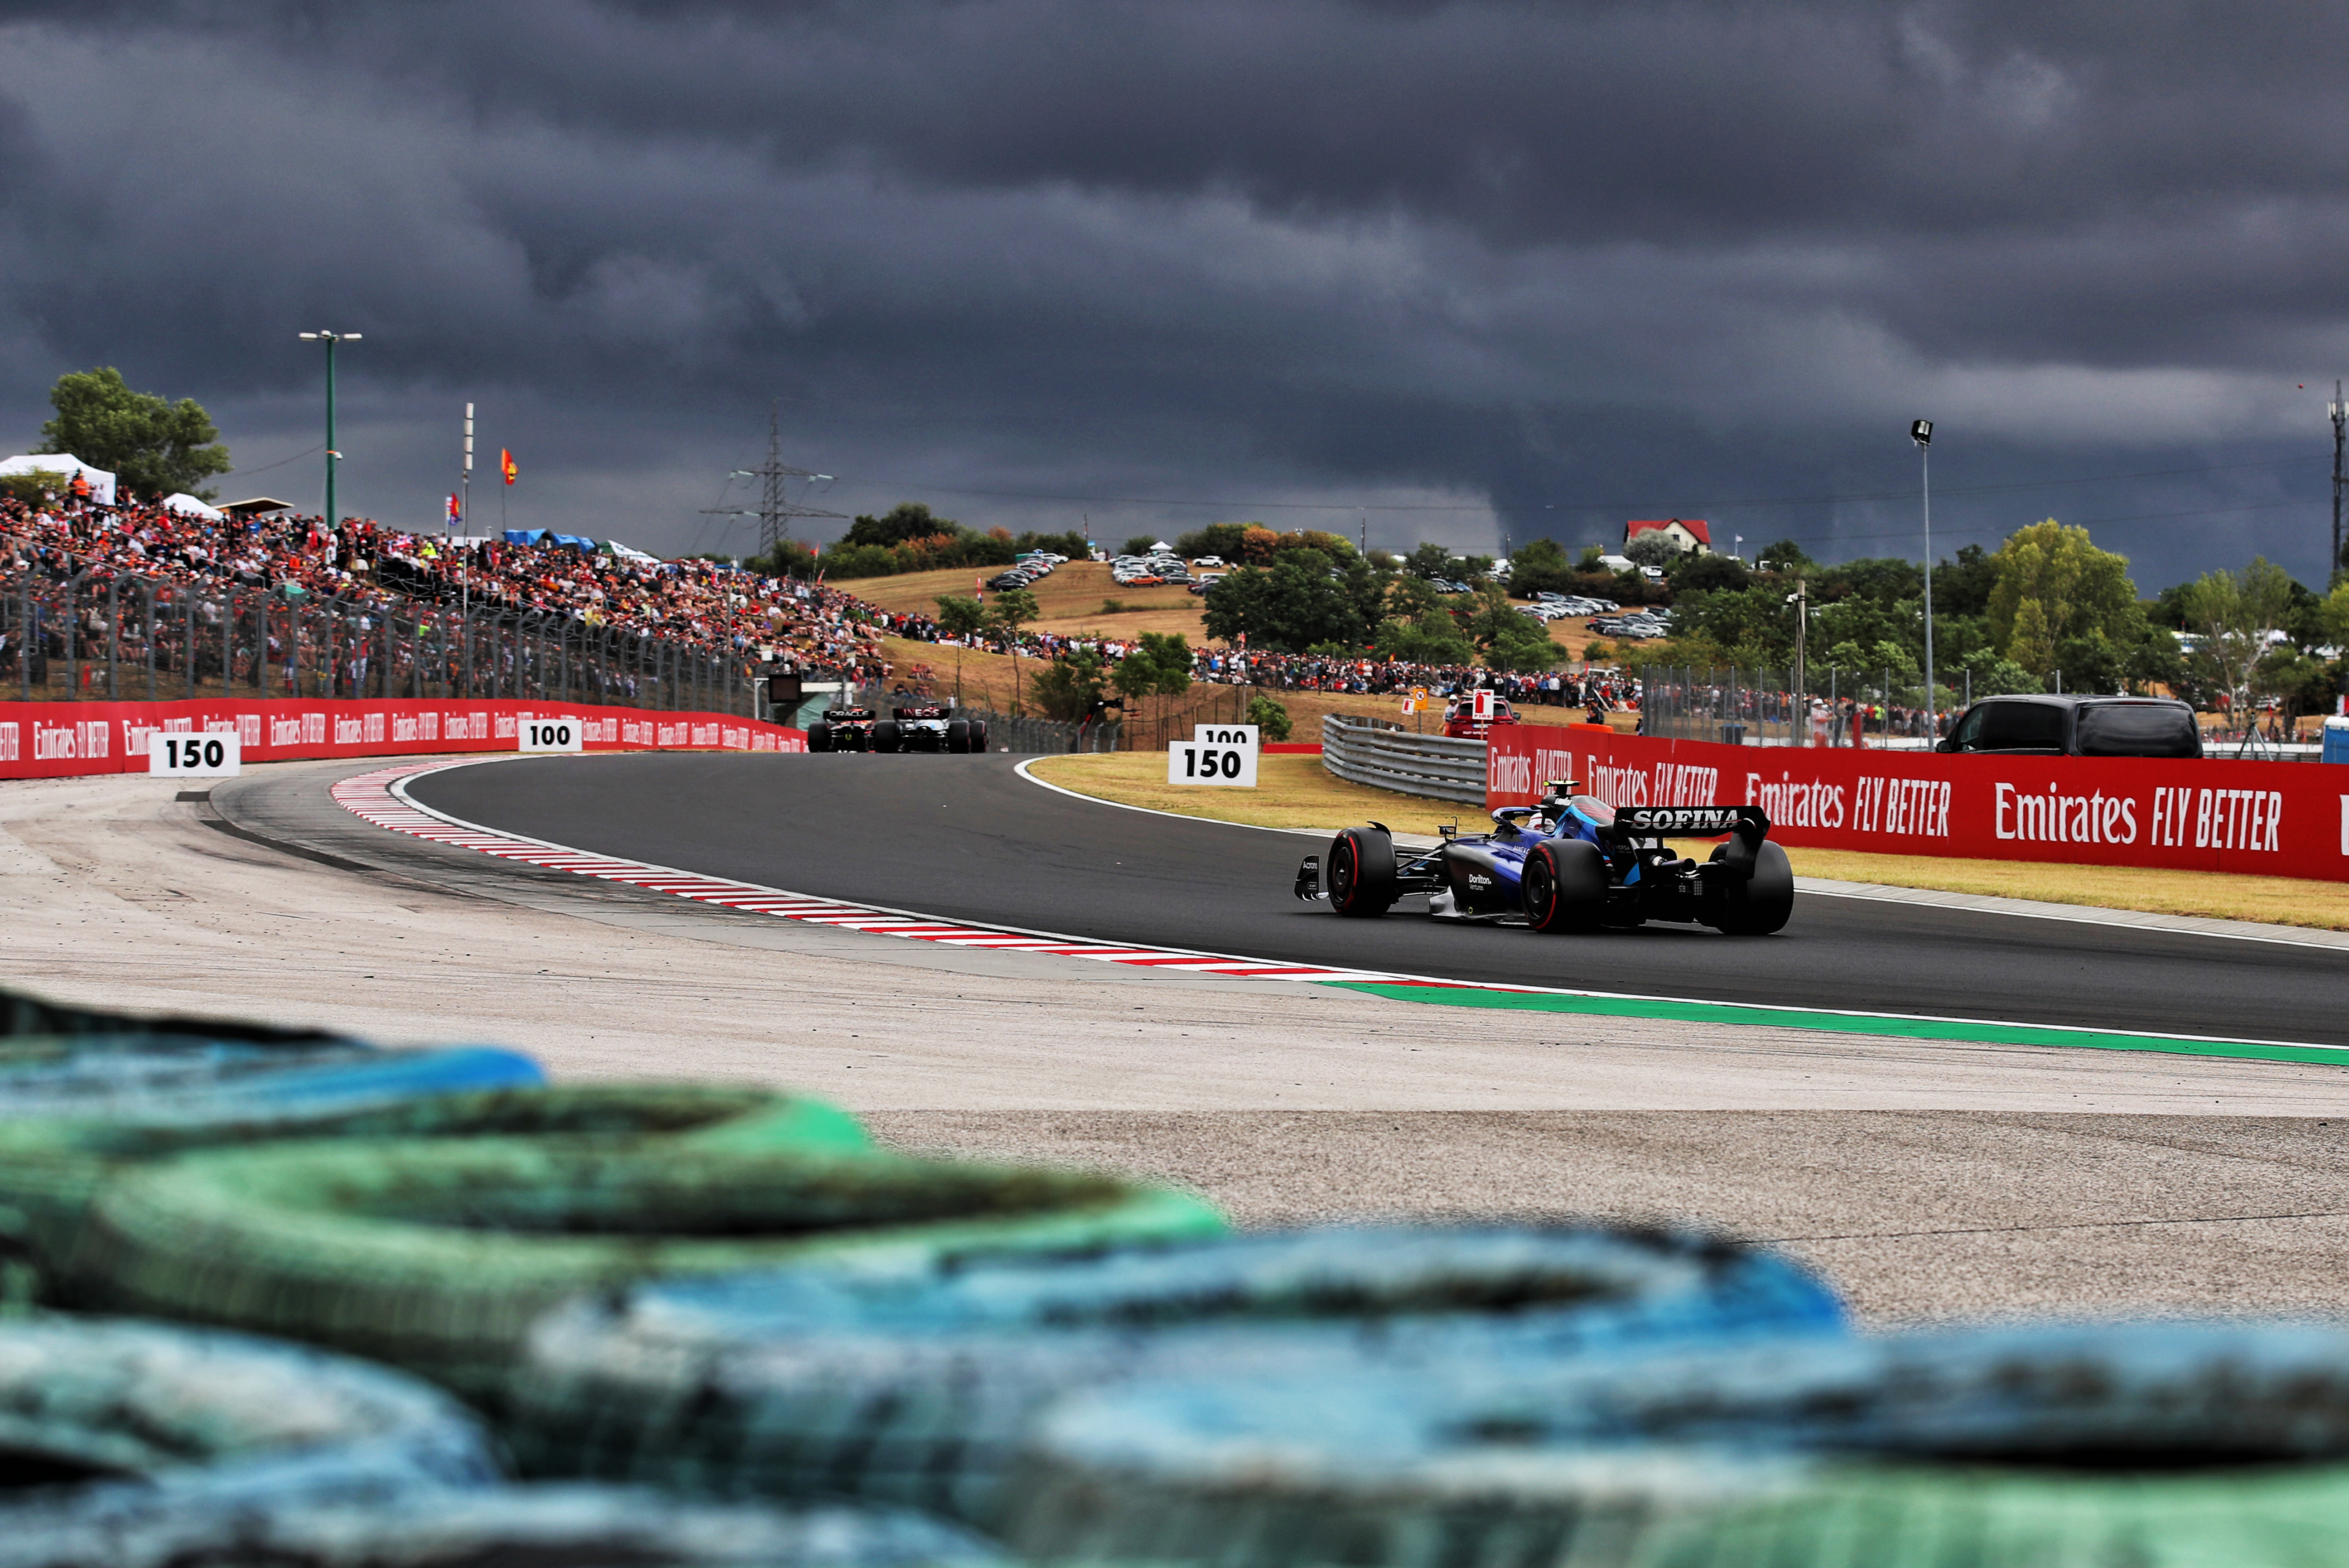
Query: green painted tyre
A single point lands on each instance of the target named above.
(50, 1170)
(437, 1255)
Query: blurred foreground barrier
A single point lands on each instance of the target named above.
(497, 1527)
(2075, 1447)
(917, 1388)
(436, 1255)
(21, 1014)
(52, 1165)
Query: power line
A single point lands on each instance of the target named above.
(775, 509)
(1567, 505)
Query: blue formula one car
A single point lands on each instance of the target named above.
(1571, 863)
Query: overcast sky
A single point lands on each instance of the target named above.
(1449, 270)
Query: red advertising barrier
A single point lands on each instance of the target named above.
(54, 739)
(2278, 819)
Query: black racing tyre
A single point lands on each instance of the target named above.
(435, 1255)
(1564, 886)
(502, 1526)
(819, 736)
(919, 1388)
(93, 1403)
(1362, 873)
(888, 735)
(1763, 905)
(978, 735)
(52, 1166)
(2046, 1447)
(957, 735)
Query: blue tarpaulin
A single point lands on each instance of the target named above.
(584, 547)
(524, 535)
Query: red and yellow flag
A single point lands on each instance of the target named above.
(506, 464)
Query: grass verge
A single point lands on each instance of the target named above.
(1297, 792)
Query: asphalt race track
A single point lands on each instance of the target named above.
(965, 838)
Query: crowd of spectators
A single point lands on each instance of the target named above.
(822, 632)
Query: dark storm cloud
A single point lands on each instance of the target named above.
(1569, 261)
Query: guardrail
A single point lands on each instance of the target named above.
(1436, 766)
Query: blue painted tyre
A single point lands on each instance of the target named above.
(436, 1255)
(508, 1527)
(2071, 1447)
(918, 1388)
(111, 1420)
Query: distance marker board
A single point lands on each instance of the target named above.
(1189, 763)
(549, 735)
(215, 754)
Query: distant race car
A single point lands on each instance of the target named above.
(842, 730)
(1571, 863)
(908, 729)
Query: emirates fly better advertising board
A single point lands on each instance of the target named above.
(2276, 819)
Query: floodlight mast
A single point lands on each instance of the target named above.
(333, 456)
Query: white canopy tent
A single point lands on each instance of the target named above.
(101, 483)
(181, 501)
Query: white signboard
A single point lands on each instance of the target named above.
(549, 735)
(1247, 735)
(1189, 763)
(215, 755)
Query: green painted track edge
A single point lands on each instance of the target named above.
(1743, 1013)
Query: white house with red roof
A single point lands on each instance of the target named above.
(1689, 534)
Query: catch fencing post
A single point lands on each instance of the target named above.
(146, 599)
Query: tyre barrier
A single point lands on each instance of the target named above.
(918, 1389)
(21, 1014)
(501, 1527)
(2073, 1446)
(436, 1255)
(106, 1423)
(51, 1167)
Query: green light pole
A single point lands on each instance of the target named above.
(330, 339)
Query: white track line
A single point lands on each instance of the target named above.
(381, 798)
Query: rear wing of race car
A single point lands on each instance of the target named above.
(846, 715)
(1746, 825)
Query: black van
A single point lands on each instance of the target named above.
(2077, 727)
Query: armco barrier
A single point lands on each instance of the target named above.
(1436, 766)
(2278, 819)
(57, 740)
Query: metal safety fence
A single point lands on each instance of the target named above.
(1832, 707)
(113, 637)
(1373, 751)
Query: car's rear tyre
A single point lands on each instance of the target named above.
(1765, 904)
(978, 735)
(819, 736)
(1564, 886)
(888, 736)
(1362, 873)
(957, 735)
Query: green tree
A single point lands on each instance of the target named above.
(1159, 665)
(2053, 585)
(2232, 613)
(1509, 638)
(1288, 606)
(1221, 539)
(152, 446)
(1140, 544)
(905, 523)
(1428, 561)
(1653, 548)
(1268, 716)
(1786, 555)
(961, 617)
(1068, 688)
(1013, 609)
(1700, 574)
(1538, 565)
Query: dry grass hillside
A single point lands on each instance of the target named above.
(986, 683)
(1072, 600)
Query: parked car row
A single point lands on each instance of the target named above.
(1149, 571)
(1635, 626)
(1033, 567)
